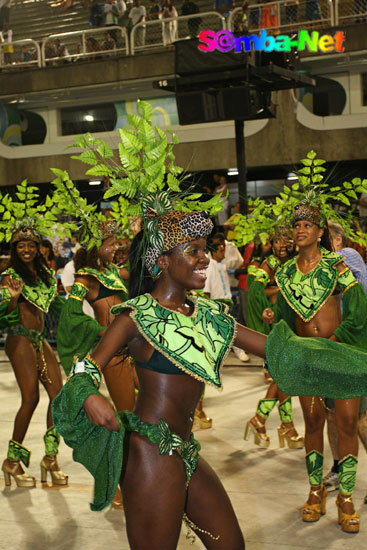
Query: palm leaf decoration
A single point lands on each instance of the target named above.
(28, 212)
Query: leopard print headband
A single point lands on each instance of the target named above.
(306, 212)
(177, 228)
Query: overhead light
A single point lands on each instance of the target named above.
(95, 182)
(292, 176)
(232, 171)
(89, 118)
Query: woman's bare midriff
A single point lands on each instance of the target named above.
(31, 316)
(102, 308)
(323, 324)
(172, 397)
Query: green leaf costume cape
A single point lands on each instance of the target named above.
(197, 344)
(77, 332)
(257, 299)
(320, 367)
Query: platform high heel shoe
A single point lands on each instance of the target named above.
(313, 512)
(294, 441)
(347, 477)
(17, 454)
(49, 461)
(264, 408)
(350, 522)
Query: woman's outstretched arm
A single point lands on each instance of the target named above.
(250, 340)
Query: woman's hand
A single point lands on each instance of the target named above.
(268, 316)
(101, 412)
(15, 287)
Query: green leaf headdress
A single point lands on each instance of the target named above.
(27, 218)
(146, 182)
(311, 197)
(92, 226)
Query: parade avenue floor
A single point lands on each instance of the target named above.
(267, 486)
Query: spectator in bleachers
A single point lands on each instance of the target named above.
(7, 46)
(95, 14)
(4, 13)
(169, 29)
(137, 15)
(125, 20)
(313, 10)
(190, 8)
(121, 8)
(26, 55)
(153, 10)
(111, 13)
(291, 11)
(92, 46)
(224, 7)
(269, 18)
(108, 43)
(222, 189)
(61, 50)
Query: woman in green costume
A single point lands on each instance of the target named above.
(102, 284)
(178, 343)
(28, 292)
(309, 301)
(262, 292)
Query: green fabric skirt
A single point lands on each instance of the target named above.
(315, 366)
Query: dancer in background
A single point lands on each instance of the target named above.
(262, 293)
(28, 292)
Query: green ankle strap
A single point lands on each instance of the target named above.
(16, 451)
(265, 406)
(286, 411)
(347, 472)
(52, 440)
(315, 463)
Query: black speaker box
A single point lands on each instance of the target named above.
(214, 105)
(190, 60)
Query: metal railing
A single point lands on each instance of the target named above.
(20, 53)
(350, 11)
(162, 32)
(285, 15)
(90, 44)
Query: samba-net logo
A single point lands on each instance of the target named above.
(225, 41)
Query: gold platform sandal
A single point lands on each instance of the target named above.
(49, 462)
(350, 522)
(313, 512)
(264, 408)
(294, 441)
(17, 454)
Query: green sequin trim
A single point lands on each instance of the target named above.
(167, 441)
(52, 441)
(110, 277)
(286, 411)
(314, 463)
(198, 344)
(346, 279)
(262, 276)
(16, 451)
(272, 261)
(39, 295)
(265, 406)
(347, 474)
(307, 293)
(78, 291)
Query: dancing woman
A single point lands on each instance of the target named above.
(101, 283)
(28, 292)
(263, 290)
(178, 343)
(309, 301)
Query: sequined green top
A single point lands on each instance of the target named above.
(39, 295)
(109, 277)
(197, 344)
(306, 293)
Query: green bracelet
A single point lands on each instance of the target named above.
(88, 365)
